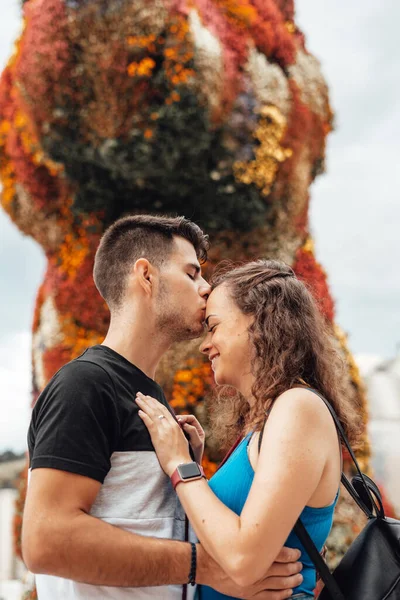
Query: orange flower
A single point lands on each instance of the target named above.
(209, 466)
(141, 41)
(183, 376)
(144, 68)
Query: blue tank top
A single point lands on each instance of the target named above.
(232, 483)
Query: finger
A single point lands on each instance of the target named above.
(184, 420)
(150, 400)
(288, 555)
(149, 406)
(191, 420)
(192, 433)
(145, 407)
(158, 408)
(187, 418)
(146, 419)
(147, 400)
(190, 428)
(283, 583)
(273, 595)
(145, 396)
(181, 420)
(284, 569)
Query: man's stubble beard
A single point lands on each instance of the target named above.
(170, 321)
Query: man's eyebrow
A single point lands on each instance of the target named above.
(209, 317)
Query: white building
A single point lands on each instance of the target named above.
(382, 379)
(12, 571)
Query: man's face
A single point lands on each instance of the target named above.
(183, 293)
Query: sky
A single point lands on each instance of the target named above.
(355, 213)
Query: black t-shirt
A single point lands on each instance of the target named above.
(88, 411)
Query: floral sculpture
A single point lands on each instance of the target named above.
(209, 108)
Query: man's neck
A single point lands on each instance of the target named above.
(137, 341)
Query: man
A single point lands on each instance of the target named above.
(101, 519)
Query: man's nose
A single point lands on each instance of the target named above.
(205, 289)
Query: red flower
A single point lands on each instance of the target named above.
(310, 271)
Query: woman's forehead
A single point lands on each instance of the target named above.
(219, 297)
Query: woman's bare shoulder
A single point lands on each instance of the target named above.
(301, 403)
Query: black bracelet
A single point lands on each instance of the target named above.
(193, 565)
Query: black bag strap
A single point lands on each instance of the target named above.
(362, 480)
(319, 563)
(345, 481)
(367, 509)
(312, 550)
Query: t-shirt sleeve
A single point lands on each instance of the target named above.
(75, 424)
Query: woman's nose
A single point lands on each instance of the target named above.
(205, 345)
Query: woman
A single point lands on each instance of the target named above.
(267, 339)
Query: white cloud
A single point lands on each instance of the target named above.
(355, 213)
(15, 387)
(11, 24)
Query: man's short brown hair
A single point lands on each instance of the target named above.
(140, 236)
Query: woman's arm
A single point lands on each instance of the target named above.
(292, 460)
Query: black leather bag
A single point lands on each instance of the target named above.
(370, 569)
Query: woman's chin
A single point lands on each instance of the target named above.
(216, 378)
(219, 378)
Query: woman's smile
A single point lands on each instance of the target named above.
(213, 359)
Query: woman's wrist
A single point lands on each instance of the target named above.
(198, 455)
(171, 467)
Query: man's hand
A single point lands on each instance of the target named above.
(282, 577)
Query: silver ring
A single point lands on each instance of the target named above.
(161, 416)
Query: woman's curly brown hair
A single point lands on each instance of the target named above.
(292, 343)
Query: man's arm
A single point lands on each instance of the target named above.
(60, 537)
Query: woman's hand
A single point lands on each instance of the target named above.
(168, 439)
(196, 434)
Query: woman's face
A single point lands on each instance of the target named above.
(227, 343)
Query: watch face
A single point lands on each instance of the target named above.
(190, 470)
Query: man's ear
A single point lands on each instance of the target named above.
(144, 273)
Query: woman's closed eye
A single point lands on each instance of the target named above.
(212, 328)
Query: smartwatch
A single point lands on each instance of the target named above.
(187, 472)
